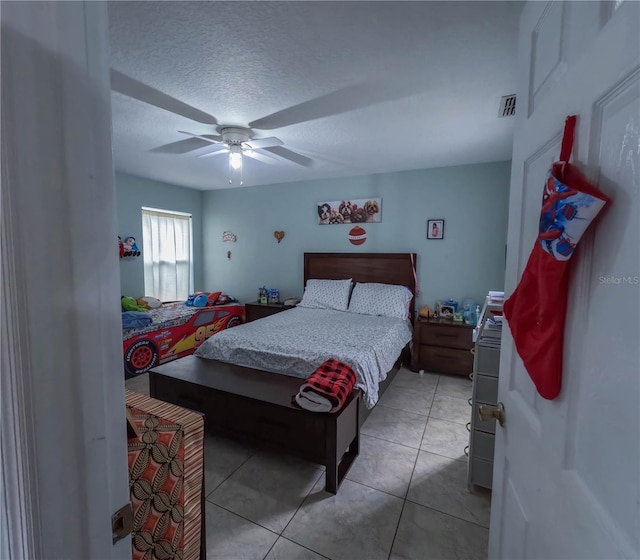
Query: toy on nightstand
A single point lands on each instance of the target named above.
(426, 312)
(273, 295)
(263, 295)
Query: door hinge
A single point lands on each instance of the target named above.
(122, 523)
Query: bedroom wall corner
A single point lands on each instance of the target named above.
(469, 261)
(132, 194)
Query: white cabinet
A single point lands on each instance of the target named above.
(486, 366)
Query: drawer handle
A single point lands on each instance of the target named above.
(469, 401)
(471, 376)
(468, 426)
(466, 450)
(473, 351)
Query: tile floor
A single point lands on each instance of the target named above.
(405, 497)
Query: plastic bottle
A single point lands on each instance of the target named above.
(477, 314)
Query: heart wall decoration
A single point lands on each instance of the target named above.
(279, 235)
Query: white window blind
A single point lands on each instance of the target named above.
(167, 252)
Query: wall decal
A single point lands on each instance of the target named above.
(362, 210)
(229, 236)
(279, 235)
(357, 235)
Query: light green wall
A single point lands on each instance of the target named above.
(469, 261)
(132, 194)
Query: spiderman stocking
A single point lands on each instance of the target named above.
(537, 308)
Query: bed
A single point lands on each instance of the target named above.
(297, 341)
(254, 404)
(176, 330)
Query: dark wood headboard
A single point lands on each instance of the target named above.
(385, 268)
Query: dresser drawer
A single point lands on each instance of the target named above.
(486, 389)
(449, 336)
(481, 473)
(482, 445)
(487, 360)
(439, 359)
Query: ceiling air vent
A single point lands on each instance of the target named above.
(507, 106)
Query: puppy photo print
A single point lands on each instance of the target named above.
(363, 210)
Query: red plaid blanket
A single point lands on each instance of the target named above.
(333, 380)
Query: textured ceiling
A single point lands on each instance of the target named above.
(358, 87)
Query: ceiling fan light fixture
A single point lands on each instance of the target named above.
(235, 157)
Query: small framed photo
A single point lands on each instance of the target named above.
(447, 312)
(435, 229)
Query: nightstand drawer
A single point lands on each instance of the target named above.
(439, 359)
(445, 335)
(255, 311)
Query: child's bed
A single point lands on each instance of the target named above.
(176, 330)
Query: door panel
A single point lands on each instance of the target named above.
(577, 456)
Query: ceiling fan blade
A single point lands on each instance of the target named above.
(258, 143)
(206, 137)
(181, 146)
(142, 92)
(349, 98)
(291, 156)
(260, 157)
(217, 150)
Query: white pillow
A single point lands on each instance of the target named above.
(388, 300)
(326, 294)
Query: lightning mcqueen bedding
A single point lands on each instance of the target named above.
(176, 330)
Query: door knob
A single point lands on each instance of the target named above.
(492, 412)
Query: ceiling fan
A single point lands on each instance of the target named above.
(237, 142)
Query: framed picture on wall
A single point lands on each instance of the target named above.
(435, 229)
(355, 211)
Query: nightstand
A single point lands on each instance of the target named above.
(255, 310)
(441, 346)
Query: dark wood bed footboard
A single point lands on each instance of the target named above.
(255, 406)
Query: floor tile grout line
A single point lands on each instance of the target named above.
(400, 409)
(298, 544)
(376, 489)
(243, 517)
(395, 534)
(302, 503)
(254, 522)
(447, 514)
(231, 473)
(390, 441)
(296, 513)
(404, 502)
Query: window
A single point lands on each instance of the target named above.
(167, 249)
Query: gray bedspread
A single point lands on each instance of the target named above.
(297, 341)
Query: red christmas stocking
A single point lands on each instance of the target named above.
(537, 308)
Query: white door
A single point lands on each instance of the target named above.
(567, 471)
(62, 417)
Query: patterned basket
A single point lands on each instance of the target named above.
(165, 479)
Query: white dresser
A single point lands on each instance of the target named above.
(486, 366)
